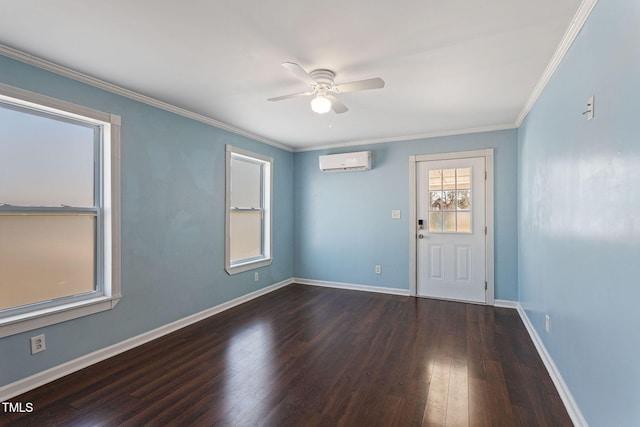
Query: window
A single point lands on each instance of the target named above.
(59, 211)
(248, 210)
(450, 200)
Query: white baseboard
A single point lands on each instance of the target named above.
(352, 286)
(570, 404)
(505, 303)
(22, 386)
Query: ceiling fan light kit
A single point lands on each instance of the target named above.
(320, 104)
(323, 87)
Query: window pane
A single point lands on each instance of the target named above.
(246, 234)
(435, 180)
(436, 203)
(45, 257)
(464, 222)
(449, 179)
(449, 201)
(45, 161)
(464, 178)
(449, 223)
(435, 222)
(246, 183)
(463, 200)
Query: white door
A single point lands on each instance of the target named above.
(451, 233)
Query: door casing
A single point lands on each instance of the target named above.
(489, 206)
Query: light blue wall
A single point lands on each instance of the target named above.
(343, 222)
(579, 216)
(172, 225)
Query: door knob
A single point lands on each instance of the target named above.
(420, 236)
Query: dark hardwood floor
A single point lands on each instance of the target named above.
(309, 356)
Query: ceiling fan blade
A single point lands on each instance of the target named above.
(375, 83)
(294, 95)
(299, 72)
(337, 105)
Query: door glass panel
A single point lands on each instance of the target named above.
(449, 179)
(450, 200)
(449, 223)
(464, 222)
(463, 178)
(435, 222)
(435, 180)
(436, 201)
(463, 200)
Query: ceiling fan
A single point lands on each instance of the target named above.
(323, 88)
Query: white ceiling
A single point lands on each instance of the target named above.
(449, 66)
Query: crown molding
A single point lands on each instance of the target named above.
(569, 37)
(407, 137)
(110, 87)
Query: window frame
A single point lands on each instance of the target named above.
(106, 209)
(266, 195)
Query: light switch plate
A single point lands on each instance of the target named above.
(590, 108)
(395, 214)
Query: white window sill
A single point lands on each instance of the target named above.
(49, 316)
(239, 268)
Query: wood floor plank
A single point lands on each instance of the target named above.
(458, 399)
(304, 355)
(436, 409)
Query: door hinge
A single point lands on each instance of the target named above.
(485, 175)
(485, 230)
(485, 286)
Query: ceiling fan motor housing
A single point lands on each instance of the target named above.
(323, 77)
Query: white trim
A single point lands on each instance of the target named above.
(453, 155)
(22, 386)
(57, 314)
(489, 220)
(569, 37)
(413, 245)
(505, 303)
(427, 135)
(352, 286)
(563, 390)
(56, 106)
(110, 87)
(489, 207)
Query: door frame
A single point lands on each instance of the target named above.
(489, 206)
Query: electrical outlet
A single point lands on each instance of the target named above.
(378, 269)
(547, 323)
(256, 276)
(38, 344)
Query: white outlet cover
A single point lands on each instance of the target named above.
(38, 344)
(395, 214)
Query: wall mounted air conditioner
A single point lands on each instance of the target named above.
(346, 162)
